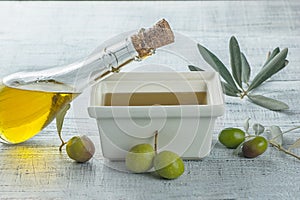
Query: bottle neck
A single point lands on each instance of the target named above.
(102, 63)
(118, 54)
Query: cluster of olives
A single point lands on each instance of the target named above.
(236, 138)
(142, 157)
(80, 148)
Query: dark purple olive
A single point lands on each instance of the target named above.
(255, 147)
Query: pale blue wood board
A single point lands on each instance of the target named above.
(36, 35)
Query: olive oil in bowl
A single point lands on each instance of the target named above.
(155, 98)
(25, 112)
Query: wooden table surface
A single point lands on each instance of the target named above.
(37, 35)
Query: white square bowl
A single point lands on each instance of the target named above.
(184, 129)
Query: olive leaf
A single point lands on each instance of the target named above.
(245, 69)
(194, 68)
(228, 90)
(258, 129)
(295, 145)
(60, 119)
(276, 134)
(241, 72)
(215, 63)
(275, 65)
(235, 60)
(272, 55)
(267, 102)
(246, 124)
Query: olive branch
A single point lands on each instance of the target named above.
(237, 83)
(275, 137)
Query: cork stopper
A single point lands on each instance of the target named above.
(147, 40)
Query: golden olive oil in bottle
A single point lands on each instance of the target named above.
(25, 112)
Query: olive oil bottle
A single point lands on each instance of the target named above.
(29, 101)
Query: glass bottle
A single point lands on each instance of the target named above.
(29, 101)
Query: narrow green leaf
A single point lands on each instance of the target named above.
(268, 103)
(194, 68)
(215, 63)
(246, 70)
(228, 93)
(60, 118)
(272, 55)
(235, 60)
(275, 65)
(228, 90)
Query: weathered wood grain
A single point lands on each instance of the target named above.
(35, 35)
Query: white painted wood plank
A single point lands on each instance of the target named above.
(35, 35)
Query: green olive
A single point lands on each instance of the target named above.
(232, 137)
(255, 147)
(139, 158)
(80, 148)
(168, 165)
